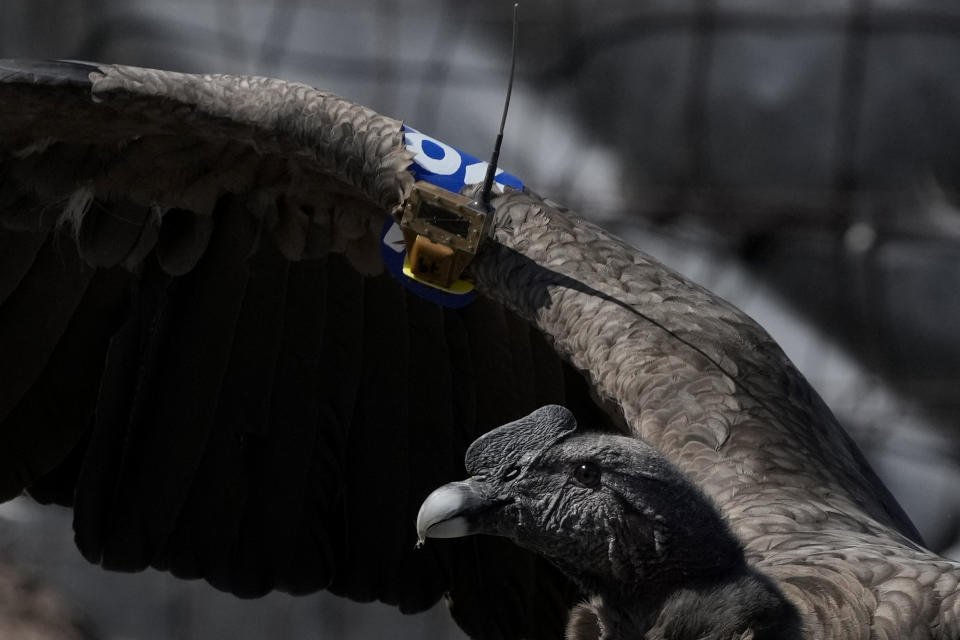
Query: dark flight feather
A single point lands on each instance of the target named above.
(258, 404)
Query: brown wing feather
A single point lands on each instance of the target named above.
(268, 411)
(665, 359)
(699, 380)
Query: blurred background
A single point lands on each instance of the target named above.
(800, 159)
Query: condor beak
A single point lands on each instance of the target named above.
(450, 511)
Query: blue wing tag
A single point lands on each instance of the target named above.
(449, 169)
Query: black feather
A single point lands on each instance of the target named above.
(296, 548)
(424, 573)
(50, 418)
(179, 381)
(130, 358)
(338, 391)
(17, 253)
(109, 232)
(244, 409)
(46, 72)
(35, 316)
(376, 499)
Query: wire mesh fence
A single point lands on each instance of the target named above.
(801, 158)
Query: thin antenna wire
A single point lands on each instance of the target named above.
(492, 166)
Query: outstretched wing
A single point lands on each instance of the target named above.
(203, 354)
(210, 364)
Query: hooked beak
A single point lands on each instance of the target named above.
(450, 511)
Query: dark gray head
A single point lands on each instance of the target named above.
(607, 509)
(610, 511)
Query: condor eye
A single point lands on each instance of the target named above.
(588, 475)
(511, 473)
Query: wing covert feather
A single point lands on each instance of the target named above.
(693, 376)
(263, 372)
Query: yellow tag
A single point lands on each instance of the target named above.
(458, 287)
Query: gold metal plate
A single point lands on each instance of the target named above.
(442, 232)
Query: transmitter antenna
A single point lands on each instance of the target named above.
(442, 229)
(492, 166)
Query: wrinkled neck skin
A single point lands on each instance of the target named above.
(741, 605)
